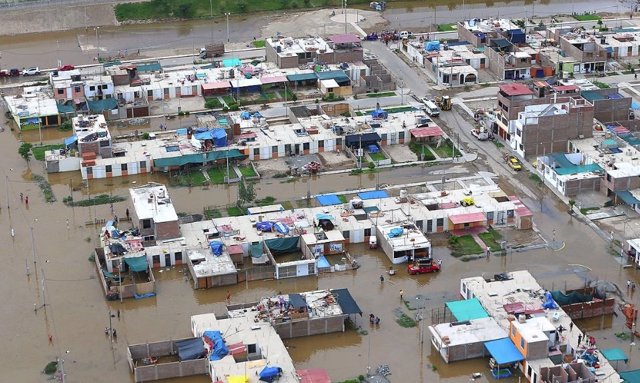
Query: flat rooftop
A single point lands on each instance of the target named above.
(152, 201)
(470, 332)
(613, 155)
(289, 46)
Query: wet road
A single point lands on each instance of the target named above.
(82, 46)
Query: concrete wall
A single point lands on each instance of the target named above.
(167, 230)
(159, 371)
(574, 187)
(612, 110)
(306, 327)
(465, 351)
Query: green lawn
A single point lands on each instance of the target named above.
(420, 149)
(247, 171)
(268, 200)
(464, 245)
(229, 99)
(377, 156)
(586, 17)
(447, 28)
(381, 94)
(445, 149)
(235, 211)
(259, 43)
(212, 213)
(217, 175)
(491, 238)
(191, 9)
(38, 151)
(212, 103)
(586, 210)
(600, 84)
(342, 198)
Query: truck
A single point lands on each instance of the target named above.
(430, 107)
(444, 102)
(212, 50)
(480, 133)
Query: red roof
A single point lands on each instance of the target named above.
(345, 38)
(234, 249)
(433, 131)
(515, 89)
(313, 375)
(521, 209)
(216, 85)
(245, 136)
(273, 79)
(466, 218)
(566, 88)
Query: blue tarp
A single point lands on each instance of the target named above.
(373, 148)
(614, 354)
(269, 374)
(181, 132)
(216, 247)
(347, 304)
(320, 216)
(297, 301)
(432, 46)
(218, 349)
(302, 77)
(395, 232)
(549, 303)
(218, 136)
(245, 115)
(467, 309)
(379, 113)
(70, 140)
(328, 200)
(635, 105)
(137, 264)
(632, 376)
(231, 62)
(145, 295)
(281, 228)
(627, 197)
(504, 351)
(374, 194)
(190, 349)
(264, 226)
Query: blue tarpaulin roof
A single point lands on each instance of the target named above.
(563, 166)
(504, 351)
(467, 309)
(627, 197)
(346, 301)
(181, 132)
(219, 349)
(99, 106)
(374, 194)
(151, 66)
(297, 301)
(197, 158)
(328, 200)
(231, 62)
(137, 264)
(614, 354)
(70, 140)
(190, 349)
(337, 75)
(632, 376)
(302, 76)
(218, 135)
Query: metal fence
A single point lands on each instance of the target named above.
(18, 4)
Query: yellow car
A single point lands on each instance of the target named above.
(514, 163)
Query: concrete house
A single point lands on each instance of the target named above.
(154, 213)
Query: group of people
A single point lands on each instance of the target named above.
(374, 320)
(589, 340)
(631, 286)
(24, 199)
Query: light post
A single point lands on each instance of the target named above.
(227, 14)
(97, 40)
(344, 4)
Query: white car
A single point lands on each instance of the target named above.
(31, 71)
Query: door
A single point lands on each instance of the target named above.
(167, 260)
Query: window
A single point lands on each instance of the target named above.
(518, 132)
(123, 167)
(419, 224)
(105, 86)
(108, 168)
(146, 224)
(312, 268)
(256, 151)
(89, 170)
(489, 215)
(367, 232)
(345, 234)
(60, 91)
(513, 330)
(156, 259)
(178, 256)
(305, 146)
(522, 344)
(76, 89)
(440, 222)
(104, 143)
(150, 93)
(529, 371)
(482, 61)
(92, 88)
(143, 164)
(252, 349)
(464, 287)
(429, 226)
(338, 141)
(510, 213)
(608, 177)
(401, 135)
(321, 144)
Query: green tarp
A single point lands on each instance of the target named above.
(256, 250)
(573, 297)
(99, 106)
(137, 264)
(283, 245)
(632, 376)
(197, 158)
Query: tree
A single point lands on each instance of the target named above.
(25, 151)
(246, 193)
(571, 204)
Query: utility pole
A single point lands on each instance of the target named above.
(345, 15)
(227, 14)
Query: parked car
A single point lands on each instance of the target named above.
(10, 72)
(66, 67)
(514, 163)
(31, 71)
(423, 266)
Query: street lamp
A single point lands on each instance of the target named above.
(344, 4)
(227, 14)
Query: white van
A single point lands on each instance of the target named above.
(432, 108)
(405, 35)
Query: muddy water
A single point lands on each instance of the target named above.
(79, 46)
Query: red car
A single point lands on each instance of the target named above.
(10, 72)
(423, 266)
(66, 67)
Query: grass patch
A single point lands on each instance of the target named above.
(101, 199)
(342, 198)
(381, 94)
(535, 178)
(259, 43)
(212, 213)
(38, 151)
(229, 100)
(377, 156)
(464, 245)
(447, 28)
(268, 200)
(445, 149)
(498, 144)
(586, 210)
(247, 171)
(600, 84)
(235, 211)
(193, 177)
(587, 17)
(287, 205)
(491, 238)
(405, 321)
(212, 103)
(217, 175)
(421, 151)
(44, 185)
